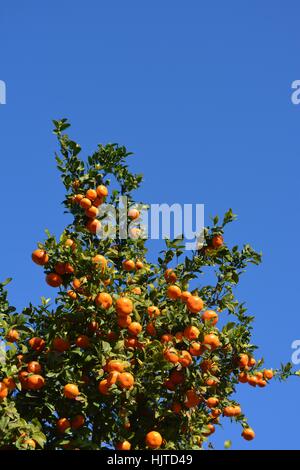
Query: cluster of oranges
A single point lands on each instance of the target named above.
(89, 202)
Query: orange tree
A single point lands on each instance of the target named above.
(130, 355)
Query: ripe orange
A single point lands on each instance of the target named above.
(3, 391)
(102, 190)
(154, 440)
(211, 340)
(77, 422)
(98, 201)
(85, 203)
(37, 344)
(179, 336)
(170, 276)
(195, 349)
(104, 300)
(217, 241)
(173, 292)
(192, 399)
(78, 197)
(10, 383)
(243, 377)
(248, 434)
(124, 306)
(191, 332)
(252, 380)
(69, 243)
(150, 328)
(72, 294)
(212, 402)
(136, 290)
(59, 268)
(92, 212)
(91, 194)
(210, 382)
(103, 387)
(115, 365)
(135, 328)
(261, 382)
(34, 367)
(35, 382)
(83, 342)
(185, 358)
(71, 391)
(128, 265)
(124, 445)
(54, 279)
(60, 344)
(139, 265)
(210, 317)
(185, 295)
(171, 355)
(112, 377)
(40, 257)
(124, 322)
(12, 336)
(243, 361)
(133, 214)
(131, 343)
(210, 429)
(251, 362)
(268, 374)
(93, 326)
(215, 412)
(76, 284)
(100, 261)
(93, 226)
(62, 425)
(194, 304)
(167, 338)
(153, 311)
(30, 443)
(125, 380)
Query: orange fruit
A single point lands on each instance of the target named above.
(91, 194)
(131, 343)
(72, 294)
(104, 300)
(195, 349)
(252, 380)
(124, 306)
(191, 332)
(243, 377)
(102, 191)
(78, 197)
(268, 374)
(166, 338)
(210, 430)
(248, 434)
(135, 328)
(171, 355)
(59, 268)
(133, 214)
(62, 424)
(128, 265)
(210, 382)
(217, 241)
(10, 383)
(170, 276)
(124, 445)
(69, 243)
(92, 212)
(103, 387)
(71, 391)
(34, 367)
(194, 304)
(60, 344)
(115, 365)
(261, 382)
(211, 340)
(251, 362)
(192, 399)
(124, 322)
(93, 226)
(243, 361)
(83, 342)
(112, 377)
(12, 336)
(173, 292)
(54, 279)
(212, 402)
(35, 382)
(30, 443)
(85, 203)
(93, 326)
(100, 261)
(37, 344)
(136, 290)
(125, 380)
(76, 284)
(77, 422)
(139, 265)
(185, 295)
(98, 201)
(150, 328)
(153, 311)
(3, 391)
(210, 317)
(154, 440)
(40, 257)
(185, 358)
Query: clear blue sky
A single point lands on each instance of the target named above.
(200, 91)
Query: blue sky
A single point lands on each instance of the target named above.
(201, 92)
